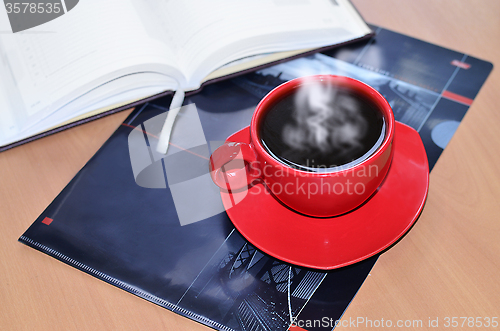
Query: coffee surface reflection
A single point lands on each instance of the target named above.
(321, 128)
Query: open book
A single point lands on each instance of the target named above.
(105, 54)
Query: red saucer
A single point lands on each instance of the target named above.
(329, 243)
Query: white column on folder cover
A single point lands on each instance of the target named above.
(185, 166)
(166, 131)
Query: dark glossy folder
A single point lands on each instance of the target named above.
(115, 225)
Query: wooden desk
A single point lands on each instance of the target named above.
(447, 266)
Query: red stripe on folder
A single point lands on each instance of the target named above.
(296, 328)
(47, 220)
(457, 98)
(460, 64)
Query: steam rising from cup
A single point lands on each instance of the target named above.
(325, 120)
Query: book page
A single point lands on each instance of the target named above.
(252, 62)
(127, 88)
(207, 34)
(56, 62)
(7, 120)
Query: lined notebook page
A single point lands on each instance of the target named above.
(93, 43)
(203, 31)
(7, 120)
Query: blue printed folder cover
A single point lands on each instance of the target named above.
(155, 226)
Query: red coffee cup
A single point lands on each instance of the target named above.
(320, 194)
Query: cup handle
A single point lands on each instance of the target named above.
(231, 166)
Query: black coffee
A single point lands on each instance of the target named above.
(320, 130)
